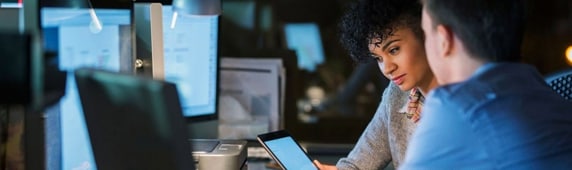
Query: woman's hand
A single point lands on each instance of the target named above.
(324, 166)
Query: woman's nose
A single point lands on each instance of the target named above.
(387, 67)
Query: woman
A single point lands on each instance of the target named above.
(388, 31)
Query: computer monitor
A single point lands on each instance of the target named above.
(305, 39)
(191, 61)
(15, 47)
(134, 122)
(16, 81)
(10, 17)
(81, 37)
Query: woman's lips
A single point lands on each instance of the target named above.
(399, 79)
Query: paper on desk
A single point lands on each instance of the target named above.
(249, 102)
(270, 62)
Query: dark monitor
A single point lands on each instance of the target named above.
(10, 17)
(16, 80)
(81, 37)
(305, 39)
(191, 61)
(134, 122)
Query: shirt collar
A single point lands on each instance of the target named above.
(485, 67)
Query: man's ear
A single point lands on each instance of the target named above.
(445, 40)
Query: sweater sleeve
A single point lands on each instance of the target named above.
(372, 149)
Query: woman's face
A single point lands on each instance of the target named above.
(401, 58)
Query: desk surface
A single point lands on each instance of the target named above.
(258, 164)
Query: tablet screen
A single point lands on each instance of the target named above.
(290, 155)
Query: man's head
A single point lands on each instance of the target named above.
(481, 30)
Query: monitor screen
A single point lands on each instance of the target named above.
(134, 122)
(191, 60)
(97, 38)
(304, 38)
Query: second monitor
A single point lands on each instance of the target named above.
(133, 122)
(191, 61)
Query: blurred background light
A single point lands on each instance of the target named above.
(569, 55)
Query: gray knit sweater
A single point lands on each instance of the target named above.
(386, 136)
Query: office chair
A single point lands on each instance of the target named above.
(561, 82)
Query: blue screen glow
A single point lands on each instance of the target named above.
(80, 42)
(290, 154)
(305, 39)
(190, 44)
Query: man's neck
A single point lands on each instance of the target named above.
(463, 69)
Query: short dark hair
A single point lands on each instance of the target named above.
(491, 30)
(377, 19)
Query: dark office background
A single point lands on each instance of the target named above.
(549, 27)
(257, 24)
(251, 25)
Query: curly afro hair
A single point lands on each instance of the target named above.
(377, 19)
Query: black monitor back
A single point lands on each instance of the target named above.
(15, 78)
(133, 122)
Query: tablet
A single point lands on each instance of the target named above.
(286, 151)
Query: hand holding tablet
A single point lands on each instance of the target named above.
(286, 151)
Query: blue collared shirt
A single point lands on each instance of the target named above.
(503, 117)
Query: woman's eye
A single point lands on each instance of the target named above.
(394, 51)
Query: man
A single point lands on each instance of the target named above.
(490, 112)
